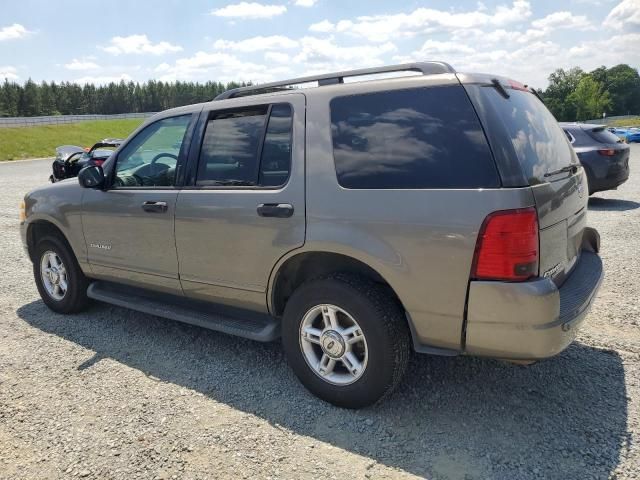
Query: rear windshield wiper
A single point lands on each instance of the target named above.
(569, 168)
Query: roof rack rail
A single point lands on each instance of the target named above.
(426, 68)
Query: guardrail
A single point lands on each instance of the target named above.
(6, 122)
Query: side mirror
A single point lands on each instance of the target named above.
(91, 177)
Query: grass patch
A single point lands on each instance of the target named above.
(629, 122)
(41, 141)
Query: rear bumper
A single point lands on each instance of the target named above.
(531, 320)
(615, 176)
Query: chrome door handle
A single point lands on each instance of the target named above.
(275, 210)
(154, 207)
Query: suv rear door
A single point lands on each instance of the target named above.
(547, 163)
(244, 203)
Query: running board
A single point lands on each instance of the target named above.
(241, 323)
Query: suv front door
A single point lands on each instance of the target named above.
(244, 207)
(129, 226)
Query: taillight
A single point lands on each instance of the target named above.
(607, 152)
(507, 246)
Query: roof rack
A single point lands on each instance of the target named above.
(426, 68)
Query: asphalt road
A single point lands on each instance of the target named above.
(112, 393)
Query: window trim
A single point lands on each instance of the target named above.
(191, 177)
(183, 155)
(572, 139)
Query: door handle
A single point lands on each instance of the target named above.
(154, 207)
(277, 210)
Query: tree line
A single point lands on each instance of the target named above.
(571, 95)
(575, 95)
(65, 98)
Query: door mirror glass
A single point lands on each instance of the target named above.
(91, 177)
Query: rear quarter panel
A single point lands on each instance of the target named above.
(420, 241)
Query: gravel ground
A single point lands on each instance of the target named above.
(117, 394)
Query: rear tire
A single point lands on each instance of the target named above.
(60, 281)
(358, 358)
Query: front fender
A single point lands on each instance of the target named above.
(59, 204)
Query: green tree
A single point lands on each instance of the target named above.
(623, 83)
(590, 99)
(29, 103)
(561, 84)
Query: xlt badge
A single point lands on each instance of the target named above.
(552, 271)
(101, 246)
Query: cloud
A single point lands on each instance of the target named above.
(323, 53)
(324, 26)
(563, 19)
(249, 10)
(624, 16)
(305, 3)
(81, 64)
(381, 28)
(13, 32)
(8, 72)
(139, 44)
(274, 42)
(102, 80)
(540, 29)
(224, 67)
(277, 57)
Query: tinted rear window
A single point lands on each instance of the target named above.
(410, 139)
(601, 135)
(539, 143)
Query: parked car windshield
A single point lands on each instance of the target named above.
(601, 135)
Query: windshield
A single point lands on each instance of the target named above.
(539, 143)
(102, 153)
(601, 135)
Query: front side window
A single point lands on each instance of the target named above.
(410, 139)
(151, 158)
(247, 147)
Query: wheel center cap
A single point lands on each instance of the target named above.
(332, 344)
(54, 276)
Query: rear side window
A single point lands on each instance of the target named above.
(276, 152)
(601, 135)
(410, 139)
(247, 147)
(539, 143)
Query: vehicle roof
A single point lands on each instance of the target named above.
(370, 81)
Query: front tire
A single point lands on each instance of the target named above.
(60, 281)
(347, 339)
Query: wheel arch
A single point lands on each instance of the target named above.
(301, 266)
(38, 229)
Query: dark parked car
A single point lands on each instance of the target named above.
(604, 156)
(70, 159)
